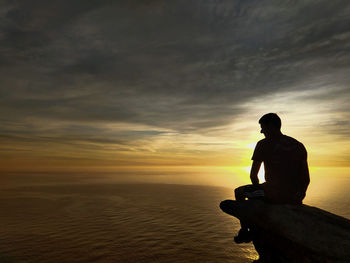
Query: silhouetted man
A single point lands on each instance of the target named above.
(286, 170)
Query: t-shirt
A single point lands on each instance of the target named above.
(282, 157)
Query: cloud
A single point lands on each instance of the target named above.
(184, 66)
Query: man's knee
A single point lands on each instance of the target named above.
(226, 205)
(239, 193)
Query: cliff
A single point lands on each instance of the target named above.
(287, 233)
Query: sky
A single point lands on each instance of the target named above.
(108, 85)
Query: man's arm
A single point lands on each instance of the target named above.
(304, 180)
(304, 176)
(254, 172)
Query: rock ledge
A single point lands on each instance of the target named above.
(293, 233)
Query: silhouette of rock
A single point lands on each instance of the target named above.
(293, 233)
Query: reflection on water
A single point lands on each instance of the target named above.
(109, 222)
(118, 223)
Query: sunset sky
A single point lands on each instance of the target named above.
(112, 85)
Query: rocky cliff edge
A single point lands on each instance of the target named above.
(293, 233)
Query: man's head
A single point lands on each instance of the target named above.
(270, 125)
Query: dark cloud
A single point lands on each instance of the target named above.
(180, 65)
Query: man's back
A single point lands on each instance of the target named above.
(284, 160)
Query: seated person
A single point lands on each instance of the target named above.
(286, 170)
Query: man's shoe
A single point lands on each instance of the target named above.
(244, 236)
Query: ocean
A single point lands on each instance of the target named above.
(128, 222)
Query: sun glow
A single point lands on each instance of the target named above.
(261, 174)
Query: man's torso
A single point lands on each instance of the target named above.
(282, 159)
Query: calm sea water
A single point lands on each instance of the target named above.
(100, 222)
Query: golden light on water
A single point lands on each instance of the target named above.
(261, 174)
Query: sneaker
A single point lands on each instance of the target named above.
(244, 236)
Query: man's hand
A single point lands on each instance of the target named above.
(300, 196)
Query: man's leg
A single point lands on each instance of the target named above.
(244, 235)
(240, 195)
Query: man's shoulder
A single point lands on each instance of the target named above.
(290, 140)
(285, 139)
(293, 144)
(262, 141)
